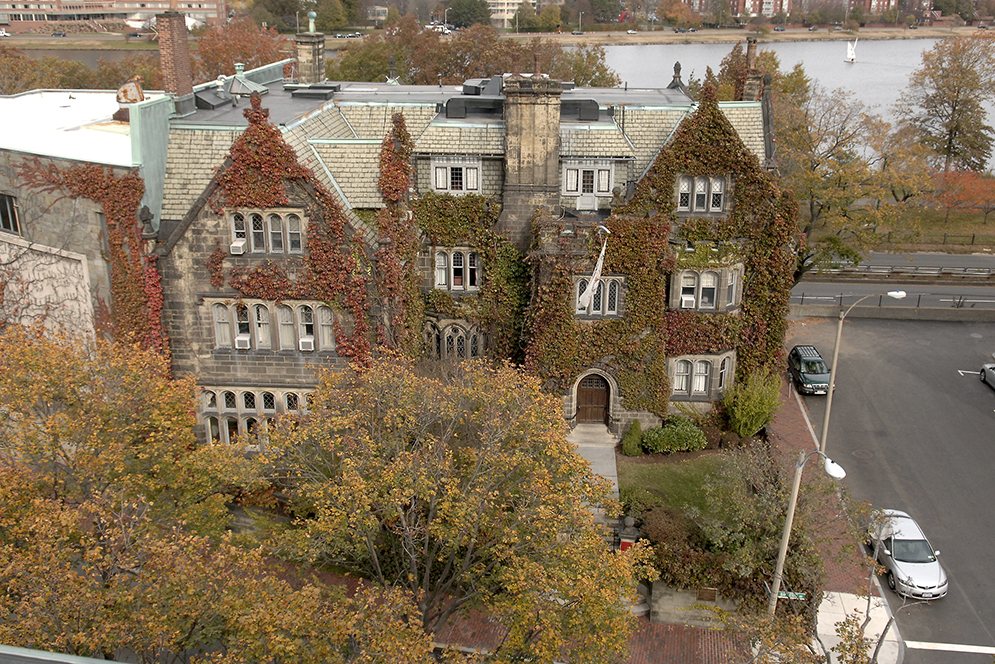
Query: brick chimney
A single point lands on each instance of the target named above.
(174, 59)
(310, 57)
(751, 88)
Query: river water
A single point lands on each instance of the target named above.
(877, 78)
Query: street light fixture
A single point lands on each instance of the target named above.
(895, 294)
(580, 22)
(445, 17)
(835, 471)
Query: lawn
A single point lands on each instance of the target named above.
(674, 483)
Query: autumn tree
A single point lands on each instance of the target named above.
(114, 537)
(944, 103)
(526, 19)
(984, 195)
(952, 192)
(462, 490)
(240, 40)
(331, 16)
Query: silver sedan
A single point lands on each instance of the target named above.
(988, 374)
(909, 560)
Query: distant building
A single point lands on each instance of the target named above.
(21, 16)
(503, 12)
(377, 15)
(745, 9)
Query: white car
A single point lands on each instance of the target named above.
(988, 374)
(631, 32)
(910, 562)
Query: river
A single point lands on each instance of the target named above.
(877, 78)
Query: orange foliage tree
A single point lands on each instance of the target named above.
(464, 491)
(953, 191)
(240, 40)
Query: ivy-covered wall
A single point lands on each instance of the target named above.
(634, 348)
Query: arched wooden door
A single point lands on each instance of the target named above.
(592, 400)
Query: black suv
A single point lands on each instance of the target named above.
(808, 370)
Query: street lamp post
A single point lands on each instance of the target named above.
(580, 22)
(833, 470)
(445, 17)
(896, 294)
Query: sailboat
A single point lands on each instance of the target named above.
(851, 51)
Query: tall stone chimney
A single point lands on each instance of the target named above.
(310, 57)
(174, 60)
(532, 153)
(752, 85)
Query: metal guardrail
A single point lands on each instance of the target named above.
(914, 301)
(890, 271)
(936, 238)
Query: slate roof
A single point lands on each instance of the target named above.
(457, 137)
(192, 159)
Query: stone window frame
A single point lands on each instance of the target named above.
(446, 170)
(701, 194)
(292, 325)
(261, 230)
(689, 289)
(600, 302)
(250, 408)
(442, 342)
(445, 275)
(703, 377)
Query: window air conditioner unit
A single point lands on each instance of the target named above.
(242, 342)
(237, 247)
(687, 301)
(306, 344)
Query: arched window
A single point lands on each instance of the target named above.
(294, 242)
(275, 234)
(455, 343)
(700, 194)
(248, 400)
(242, 318)
(458, 282)
(309, 401)
(237, 227)
(598, 298)
(682, 377)
(260, 318)
(689, 290)
(731, 289)
(472, 271)
(326, 328)
(433, 341)
(210, 400)
(441, 269)
(611, 306)
(715, 205)
(702, 372)
(709, 282)
(581, 287)
(230, 403)
(288, 337)
(292, 402)
(258, 233)
(684, 194)
(232, 429)
(269, 402)
(306, 315)
(724, 373)
(222, 326)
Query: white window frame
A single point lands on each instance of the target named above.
(457, 269)
(238, 227)
(260, 324)
(706, 291)
(445, 343)
(288, 333)
(257, 231)
(273, 231)
(694, 376)
(682, 377)
(8, 215)
(702, 378)
(469, 169)
(602, 178)
(701, 194)
(326, 328)
(222, 326)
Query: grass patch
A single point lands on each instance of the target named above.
(676, 485)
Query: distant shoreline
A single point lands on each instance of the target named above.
(92, 41)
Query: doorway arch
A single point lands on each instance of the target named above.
(593, 399)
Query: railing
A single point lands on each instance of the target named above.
(914, 300)
(921, 271)
(902, 237)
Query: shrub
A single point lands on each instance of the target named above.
(751, 405)
(678, 434)
(667, 524)
(632, 444)
(636, 500)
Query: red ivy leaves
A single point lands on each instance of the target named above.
(215, 263)
(136, 289)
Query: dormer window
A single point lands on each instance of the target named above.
(456, 175)
(457, 269)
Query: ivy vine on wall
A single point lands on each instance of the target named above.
(758, 230)
(135, 282)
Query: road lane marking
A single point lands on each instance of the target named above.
(965, 300)
(969, 372)
(950, 647)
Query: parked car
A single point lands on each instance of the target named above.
(910, 562)
(778, 28)
(913, 27)
(4, 33)
(577, 32)
(988, 374)
(631, 32)
(59, 33)
(982, 26)
(813, 28)
(808, 370)
(838, 28)
(132, 34)
(692, 29)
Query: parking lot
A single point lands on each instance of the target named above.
(912, 424)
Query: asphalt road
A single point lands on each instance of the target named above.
(914, 428)
(917, 295)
